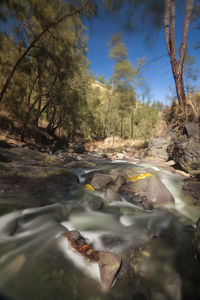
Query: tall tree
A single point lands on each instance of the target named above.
(162, 14)
(122, 78)
(38, 18)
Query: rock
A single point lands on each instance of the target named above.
(187, 156)
(173, 286)
(69, 159)
(158, 296)
(93, 201)
(185, 148)
(75, 236)
(79, 149)
(4, 144)
(4, 159)
(158, 148)
(196, 252)
(21, 154)
(118, 182)
(192, 130)
(109, 265)
(54, 183)
(42, 190)
(127, 171)
(82, 164)
(150, 190)
(100, 181)
(112, 196)
(192, 188)
(119, 156)
(196, 244)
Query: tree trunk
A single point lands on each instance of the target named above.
(39, 93)
(51, 122)
(10, 76)
(121, 124)
(132, 124)
(177, 66)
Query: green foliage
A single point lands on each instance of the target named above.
(52, 87)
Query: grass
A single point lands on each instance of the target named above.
(117, 144)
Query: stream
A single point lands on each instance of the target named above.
(38, 262)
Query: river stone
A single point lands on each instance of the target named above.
(118, 183)
(100, 181)
(112, 196)
(196, 251)
(109, 265)
(128, 171)
(196, 244)
(173, 286)
(192, 188)
(158, 147)
(151, 189)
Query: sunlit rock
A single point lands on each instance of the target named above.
(100, 181)
(109, 265)
(112, 196)
(119, 182)
(149, 189)
(158, 148)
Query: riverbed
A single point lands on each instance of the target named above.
(38, 262)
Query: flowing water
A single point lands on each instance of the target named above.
(37, 261)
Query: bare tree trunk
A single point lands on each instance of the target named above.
(51, 122)
(177, 66)
(39, 92)
(132, 124)
(49, 97)
(28, 110)
(10, 76)
(121, 124)
(106, 117)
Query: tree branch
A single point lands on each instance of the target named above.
(53, 24)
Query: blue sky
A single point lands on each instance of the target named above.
(158, 74)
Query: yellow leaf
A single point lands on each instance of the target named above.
(88, 187)
(140, 176)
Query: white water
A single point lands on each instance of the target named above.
(32, 242)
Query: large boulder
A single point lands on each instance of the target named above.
(158, 148)
(185, 149)
(149, 190)
(196, 252)
(196, 244)
(192, 188)
(192, 130)
(186, 154)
